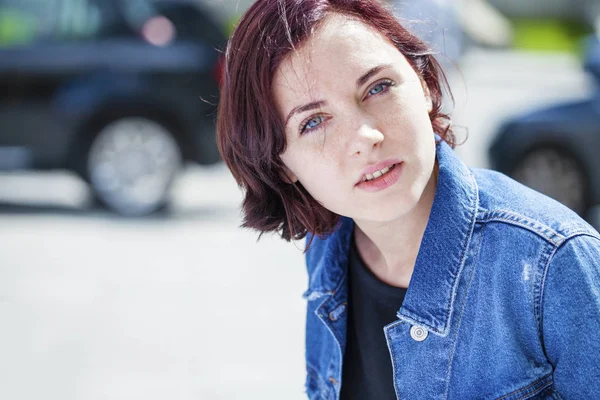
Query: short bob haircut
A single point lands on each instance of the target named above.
(250, 131)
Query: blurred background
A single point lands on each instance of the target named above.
(123, 273)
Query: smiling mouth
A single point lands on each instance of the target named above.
(377, 174)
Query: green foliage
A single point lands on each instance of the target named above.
(549, 35)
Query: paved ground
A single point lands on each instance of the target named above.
(186, 305)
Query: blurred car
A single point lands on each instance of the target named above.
(122, 92)
(555, 150)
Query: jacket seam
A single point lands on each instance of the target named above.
(516, 392)
(314, 291)
(321, 317)
(465, 251)
(582, 233)
(415, 318)
(468, 285)
(536, 392)
(540, 300)
(512, 218)
(545, 259)
(392, 355)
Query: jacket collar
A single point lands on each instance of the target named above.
(433, 285)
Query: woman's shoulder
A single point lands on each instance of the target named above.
(502, 199)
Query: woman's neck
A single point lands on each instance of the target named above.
(390, 250)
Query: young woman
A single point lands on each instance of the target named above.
(427, 280)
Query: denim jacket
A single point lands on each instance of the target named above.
(503, 302)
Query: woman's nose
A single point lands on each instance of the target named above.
(364, 139)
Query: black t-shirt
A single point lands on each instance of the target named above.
(373, 304)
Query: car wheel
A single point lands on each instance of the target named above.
(131, 165)
(556, 174)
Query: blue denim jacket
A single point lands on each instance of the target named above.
(503, 303)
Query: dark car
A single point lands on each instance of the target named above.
(555, 150)
(120, 91)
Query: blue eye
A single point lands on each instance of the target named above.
(376, 89)
(380, 88)
(311, 124)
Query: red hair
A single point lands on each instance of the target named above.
(250, 131)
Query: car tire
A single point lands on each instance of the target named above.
(557, 174)
(131, 164)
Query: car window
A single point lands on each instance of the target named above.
(24, 22)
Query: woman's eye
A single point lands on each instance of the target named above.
(380, 87)
(311, 124)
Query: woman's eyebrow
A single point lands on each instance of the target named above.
(316, 104)
(306, 107)
(364, 78)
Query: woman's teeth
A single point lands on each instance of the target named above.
(377, 174)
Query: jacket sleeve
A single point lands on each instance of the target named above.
(570, 313)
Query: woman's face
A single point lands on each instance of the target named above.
(353, 105)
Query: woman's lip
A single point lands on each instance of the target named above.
(377, 167)
(384, 181)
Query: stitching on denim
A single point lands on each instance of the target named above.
(516, 392)
(545, 258)
(324, 321)
(468, 285)
(465, 250)
(535, 392)
(582, 233)
(536, 227)
(544, 277)
(482, 213)
(329, 257)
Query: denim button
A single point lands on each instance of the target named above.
(417, 333)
